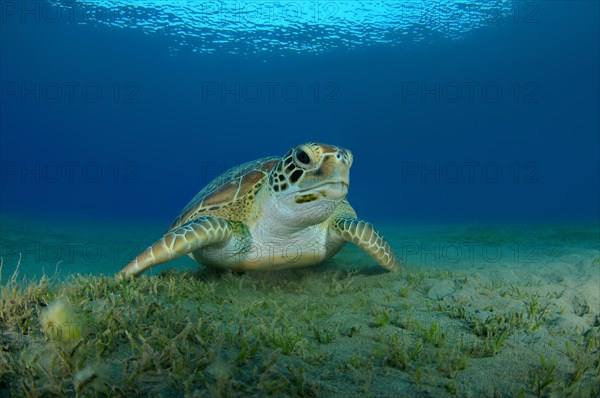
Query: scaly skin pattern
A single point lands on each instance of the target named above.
(180, 241)
(365, 236)
(345, 225)
(273, 213)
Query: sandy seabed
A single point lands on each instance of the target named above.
(478, 311)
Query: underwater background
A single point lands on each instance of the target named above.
(456, 112)
(475, 133)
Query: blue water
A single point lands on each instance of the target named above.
(455, 112)
(475, 133)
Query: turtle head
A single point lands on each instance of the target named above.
(310, 181)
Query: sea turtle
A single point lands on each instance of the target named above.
(273, 213)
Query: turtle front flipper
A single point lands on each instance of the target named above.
(180, 241)
(365, 236)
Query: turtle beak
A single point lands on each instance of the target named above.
(343, 162)
(346, 156)
(335, 168)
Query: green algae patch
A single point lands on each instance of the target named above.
(62, 321)
(335, 330)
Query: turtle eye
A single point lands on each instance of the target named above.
(302, 157)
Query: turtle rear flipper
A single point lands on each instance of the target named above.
(190, 236)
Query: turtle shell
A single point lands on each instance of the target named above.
(230, 194)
